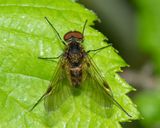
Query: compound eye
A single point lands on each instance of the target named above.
(73, 34)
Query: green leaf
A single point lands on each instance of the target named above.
(25, 35)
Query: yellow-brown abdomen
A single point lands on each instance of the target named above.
(76, 76)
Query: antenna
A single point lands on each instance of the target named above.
(84, 27)
(55, 30)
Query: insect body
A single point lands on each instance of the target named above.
(76, 69)
(75, 56)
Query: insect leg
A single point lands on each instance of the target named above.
(84, 27)
(94, 50)
(41, 98)
(55, 30)
(116, 103)
(50, 58)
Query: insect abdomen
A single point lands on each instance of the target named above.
(76, 76)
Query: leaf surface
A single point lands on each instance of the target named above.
(25, 35)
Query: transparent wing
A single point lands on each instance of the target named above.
(94, 85)
(59, 89)
(96, 92)
(97, 88)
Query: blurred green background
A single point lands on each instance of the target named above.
(133, 27)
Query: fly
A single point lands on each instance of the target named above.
(76, 70)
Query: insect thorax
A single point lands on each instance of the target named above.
(75, 54)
